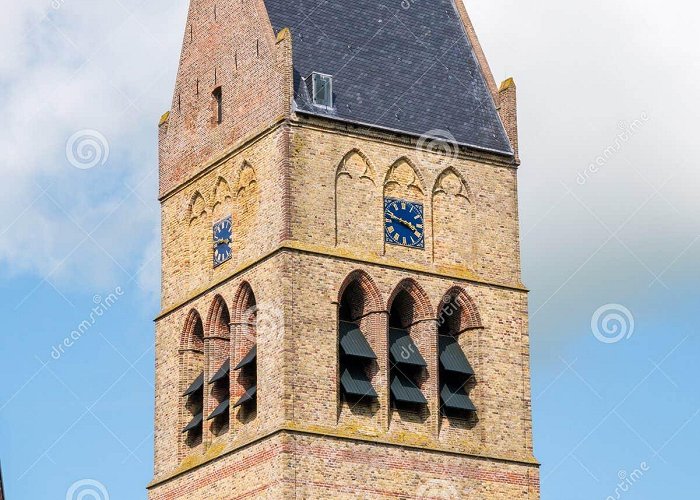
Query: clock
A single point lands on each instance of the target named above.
(223, 238)
(403, 223)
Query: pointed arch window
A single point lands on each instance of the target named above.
(457, 315)
(247, 368)
(192, 373)
(355, 356)
(219, 348)
(407, 363)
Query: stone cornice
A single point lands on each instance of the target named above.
(452, 273)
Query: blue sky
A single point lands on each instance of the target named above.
(608, 85)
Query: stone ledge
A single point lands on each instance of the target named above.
(453, 273)
(196, 461)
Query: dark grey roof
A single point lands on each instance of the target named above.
(223, 372)
(411, 70)
(249, 358)
(454, 397)
(249, 395)
(353, 342)
(220, 410)
(452, 357)
(404, 390)
(355, 382)
(403, 350)
(195, 424)
(196, 385)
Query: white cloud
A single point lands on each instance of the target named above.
(99, 66)
(581, 69)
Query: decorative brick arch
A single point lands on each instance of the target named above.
(410, 178)
(451, 182)
(422, 309)
(244, 304)
(373, 296)
(197, 207)
(355, 194)
(222, 204)
(458, 301)
(192, 337)
(453, 206)
(218, 319)
(368, 173)
(247, 178)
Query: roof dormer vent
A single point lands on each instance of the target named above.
(322, 90)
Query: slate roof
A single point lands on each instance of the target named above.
(409, 70)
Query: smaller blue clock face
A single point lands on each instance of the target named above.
(403, 223)
(223, 238)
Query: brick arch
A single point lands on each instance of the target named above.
(222, 203)
(222, 190)
(403, 173)
(247, 178)
(461, 189)
(218, 319)
(373, 297)
(355, 194)
(452, 206)
(247, 206)
(369, 171)
(192, 337)
(197, 207)
(458, 301)
(244, 304)
(422, 308)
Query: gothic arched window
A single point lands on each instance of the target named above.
(218, 354)
(407, 365)
(192, 378)
(356, 359)
(246, 351)
(457, 315)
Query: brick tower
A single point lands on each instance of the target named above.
(343, 313)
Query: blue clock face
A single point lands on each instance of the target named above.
(403, 223)
(223, 238)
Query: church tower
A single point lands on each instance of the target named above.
(342, 308)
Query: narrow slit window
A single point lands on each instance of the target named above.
(218, 105)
